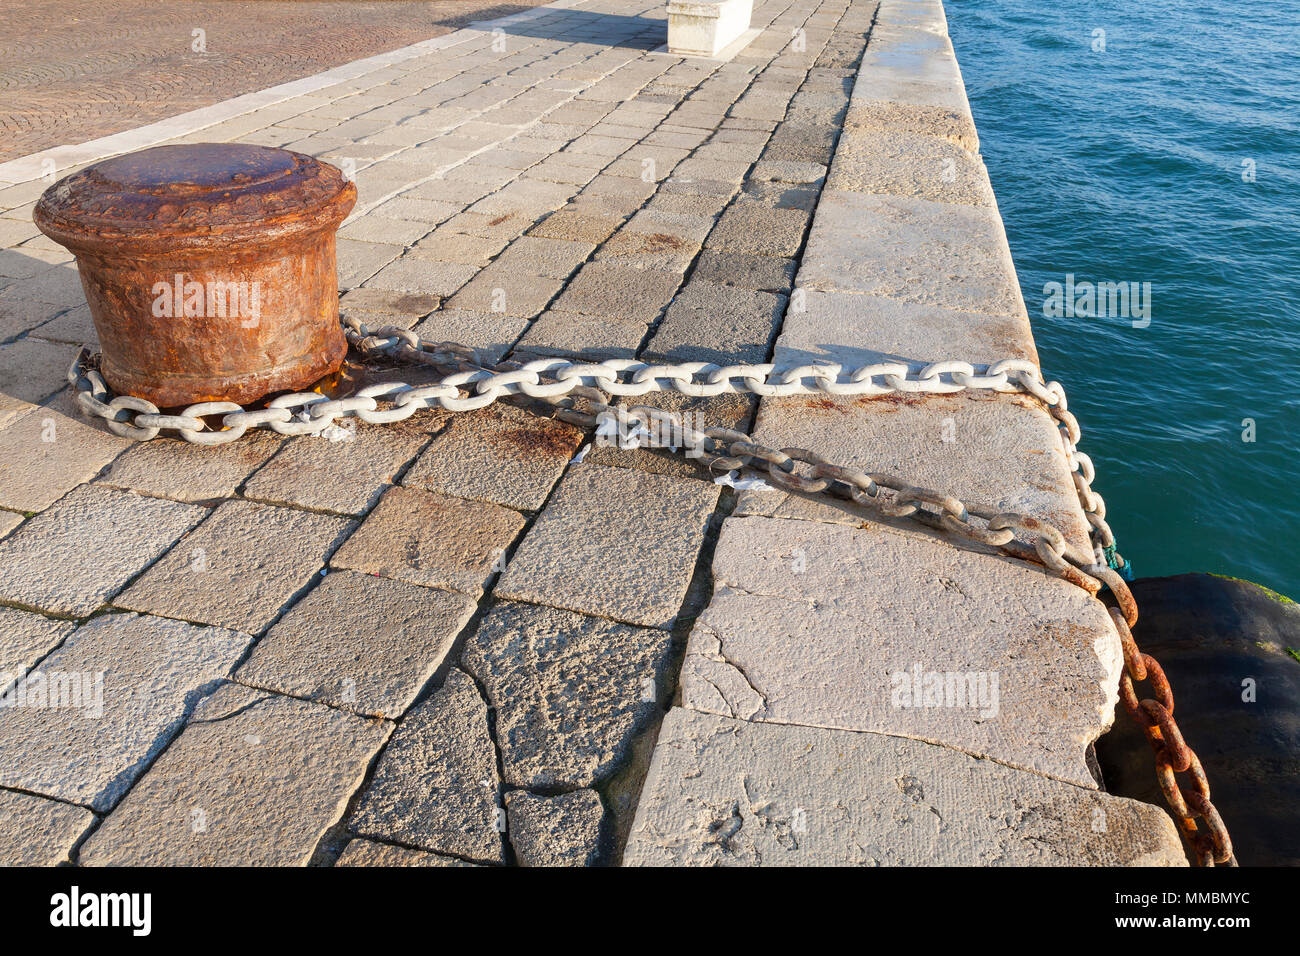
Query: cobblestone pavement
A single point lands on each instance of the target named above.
(485, 639)
(72, 70)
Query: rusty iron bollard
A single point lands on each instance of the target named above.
(209, 268)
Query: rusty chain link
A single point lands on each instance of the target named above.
(558, 384)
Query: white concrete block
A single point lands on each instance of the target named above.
(703, 28)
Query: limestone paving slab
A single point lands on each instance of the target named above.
(346, 475)
(436, 786)
(432, 540)
(74, 556)
(360, 852)
(499, 454)
(829, 626)
(359, 642)
(894, 246)
(255, 779)
(725, 792)
(909, 164)
(39, 832)
(86, 723)
(571, 692)
(721, 324)
(48, 450)
(25, 638)
(178, 470)
(555, 831)
(632, 560)
(241, 568)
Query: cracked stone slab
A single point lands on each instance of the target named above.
(39, 832)
(857, 629)
(362, 643)
(361, 852)
(85, 724)
(436, 786)
(24, 639)
(895, 246)
(241, 568)
(555, 831)
(255, 779)
(727, 792)
(432, 540)
(571, 692)
(47, 451)
(998, 449)
(499, 454)
(194, 473)
(345, 476)
(45, 564)
(632, 562)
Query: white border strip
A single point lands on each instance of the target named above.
(33, 166)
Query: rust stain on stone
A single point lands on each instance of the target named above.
(545, 439)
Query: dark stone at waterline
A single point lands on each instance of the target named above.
(1229, 649)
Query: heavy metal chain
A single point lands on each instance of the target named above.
(558, 385)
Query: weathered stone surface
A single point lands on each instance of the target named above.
(856, 330)
(556, 831)
(361, 852)
(779, 171)
(185, 472)
(575, 226)
(956, 126)
(589, 337)
(732, 411)
(8, 521)
(1001, 450)
(909, 164)
(38, 832)
(620, 292)
(719, 324)
(359, 642)
(436, 786)
(727, 792)
(894, 246)
(106, 703)
(32, 370)
(768, 273)
(446, 246)
(255, 779)
(632, 560)
(505, 290)
(347, 475)
(48, 563)
(47, 451)
(534, 255)
(759, 229)
(24, 639)
(827, 626)
(241, 569)
(429, 276)
(498, 454)
(571, 692)
(490, 334)
(432, 540)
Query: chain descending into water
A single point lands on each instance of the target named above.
(556, 385)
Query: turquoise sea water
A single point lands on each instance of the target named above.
(1126, 165)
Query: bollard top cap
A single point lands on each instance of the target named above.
(198, 193)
